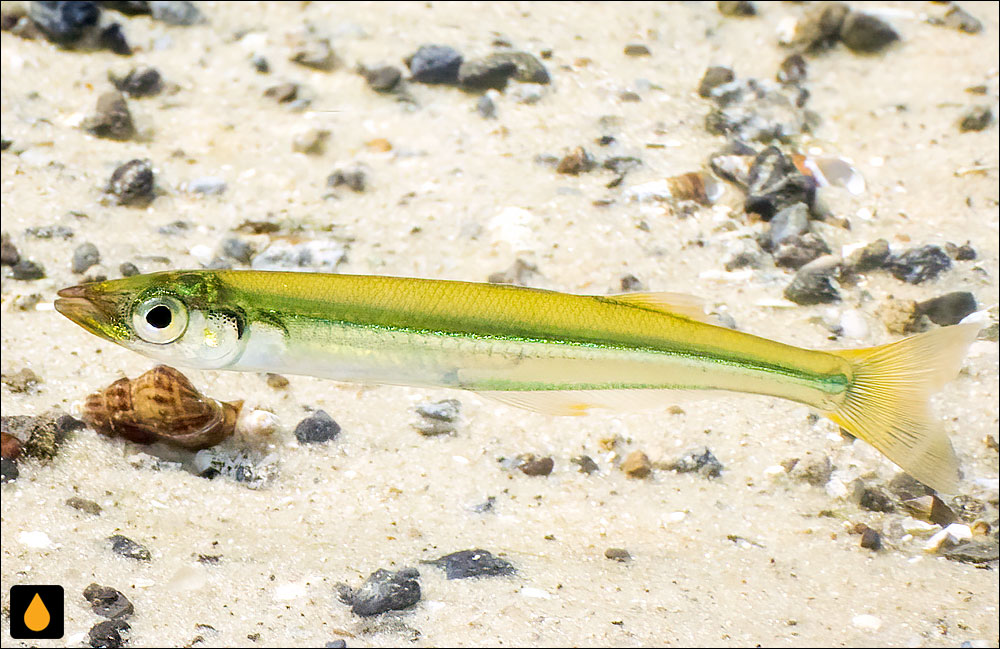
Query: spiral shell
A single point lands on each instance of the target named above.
(161, 406)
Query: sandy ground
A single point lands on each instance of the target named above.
(380, 495)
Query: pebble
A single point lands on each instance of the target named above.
(793, 70)
(820, 27)
(636, 49)
(207, 185)
(112, 37)
(486, 106)
(311, 142)
(797, 251)
(354, 178)
(900, 317)
(527, 93)
(618, 554)
(866, 622)
(382, 78)
(23, 380)
(383, 591)
(535, 466)
(238, 249)
(252, 470)
(906, 487)
(107, 634)
(435, 64)
(483, 74)
(870, 257)
(473, 563)
(774, 183)
(50, 232)
(444, 410)
(700, 460)
(9, 256)
(739, 8)
(637, 465)
(814, 283)
(64, 23)
(28, 270)
(519, 273)
(283, 93)
(948, 309)
(174, 228)
(258, 425)
(871, 539)
(586, 464)
(175, 12)
(816, 472)
(787, 223)
(317, 428)
(960, 19)
(323, 256)
(528, 69)
(85, 256)
(576, 162)
(128, 548)
(918, 265)
(260, 63)
(930, 508)
(276, 381)
(976, 118)
(112, 119)
(84, 505)
(132, 183)
(108, 602)
(863, 32)
(8, 470)
(313, 52)
(875, 500)
(978, 551)
(141, 81)
(949, 537)
(965, 252)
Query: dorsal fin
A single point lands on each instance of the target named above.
(680, 304)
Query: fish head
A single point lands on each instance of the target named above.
(176, 317)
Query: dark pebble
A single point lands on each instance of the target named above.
(9, 256)
(636, 49)
(435, 64)
(128, 548)
(790, 222)
(739, 8)
(108, 602)
(618, 554)
(107, 634)
(127, 7)
(964, 252)
(876, 500)
(960, 19)
(353, 178)
(919, 264)
(866, 33)
(112, 37)
(871, 539)
(473, 563)
(64, 23)
(576, 162)
(630, 283)
(317, 428)
(383, 591)
(906, 487)
(586, 464)
(814, 283)
(977, 551)
(713, 77)
(793, 69)
(283, 93)
(699, 460)
(8, 470)
(112, 120)
(85, 256)
(487, 73)
(174, 228)
(314, 52)
(260, 64)
(976, 119)
(132, 183)
(84, 505)
(820, 27)
(383, 78)
(26, 269)
(948, 309)
(774, 184)
(486, 107)
(238, 249)
(175, 12)
(871, 257)
(141, 81)
(537, 466)
(128, 269)
(528, 69)
(340, 643)
(797, 251)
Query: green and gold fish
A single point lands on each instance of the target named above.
(546, 351)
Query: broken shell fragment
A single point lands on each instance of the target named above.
(161, 406)
(698, 186)
(831, 171)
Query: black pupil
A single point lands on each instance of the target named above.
(159, 317)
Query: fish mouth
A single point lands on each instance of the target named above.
(81, 305)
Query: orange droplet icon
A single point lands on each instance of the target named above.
(36, 616)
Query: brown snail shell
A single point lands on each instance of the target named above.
(161, 406)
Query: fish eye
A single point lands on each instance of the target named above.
(160, 320)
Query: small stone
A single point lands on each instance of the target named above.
(174, 228)
(141, 81)
(132, 183)
(50, 232)
(528, 69)
(793, 70)
(23, 380)
(383, 78)
(9, 256)
(486, 107)
(788, 223)
(866, 622)
(283, 93)
(64, 23)
(871, 257)
(248, 468)
(238, 249)
(740, 8)
(871, 539)
(867, 33)
(816, 473)
(128, 548)
(473, 563)
(978, 551)
(313, 52)
(260, 63)
(487, 73)
(876, 500)
(444, 410)
(84, 505)
(637, 465)
(107, 634)
(965, 252)
(108, 602)
(820, 27)
(519, 273)
(576, 162)
(112, 119)
(699, 460)
(714, 76)
(960, 19)
(774, 184)
(948, 309)
(636, 49)
(383, 591)
(319, 255)
(976, 118)
(85, 256)
(354, 178)
(918, 265)
(27, 270)
(175, 12)
(435, 64)
(536, 466)
(586, 464)
(900, 317)
(112, 37)
(312, 142)
(814, 282)
(207, 185)
(276, 381)
(618, 554)
(951, 536)
(8, 470)
(317, 428)
(906, 487)
(797, 251)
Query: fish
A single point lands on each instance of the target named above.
(547, 351)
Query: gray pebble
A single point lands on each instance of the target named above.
(793, 69)
(875, 500)
(383, 591)
(739, 8)
(473, 563)
(797, 251)
(322, 256)
(814, 282)
(618, 554)
(353, 178)
(112, 37)
(112, 119)
(128, 269)
(700, 460)
(964, 252)
(314, 52)
(132, 183)
(483, 74)
(586, 464)
(714, 76)
(960, 19)
(445, 410)
(528, 68)
(108, 602)
(435, 64)
(175, 12)
(948, 309)
(207, 185)
(789, 222)
(918, 265)
(485, 106)
(260, 64)
(85, 256)
(141, 81)
(867, 33)
(107, 634)
(238, 249)
(126, 547)
(84, 505)
(977, 551)
(383, 78)
(64, 23)
(174, 228)
(871, 539)
(976, 118)
(250, 469)
(25, 269)
(8, 470)
(742, 253)
(9, 255)
(283, 93)
(774, 183)
(317, 428)
(871, 257)
(49, 232)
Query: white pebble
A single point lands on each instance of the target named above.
(948, 537)
(917, 527)
(257, 424)
(536, 593)
(867, 622)
(35, 539)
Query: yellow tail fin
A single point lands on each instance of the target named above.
(887, 403)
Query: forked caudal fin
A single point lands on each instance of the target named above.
(887, 404)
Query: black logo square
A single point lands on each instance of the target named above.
(36, 612)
